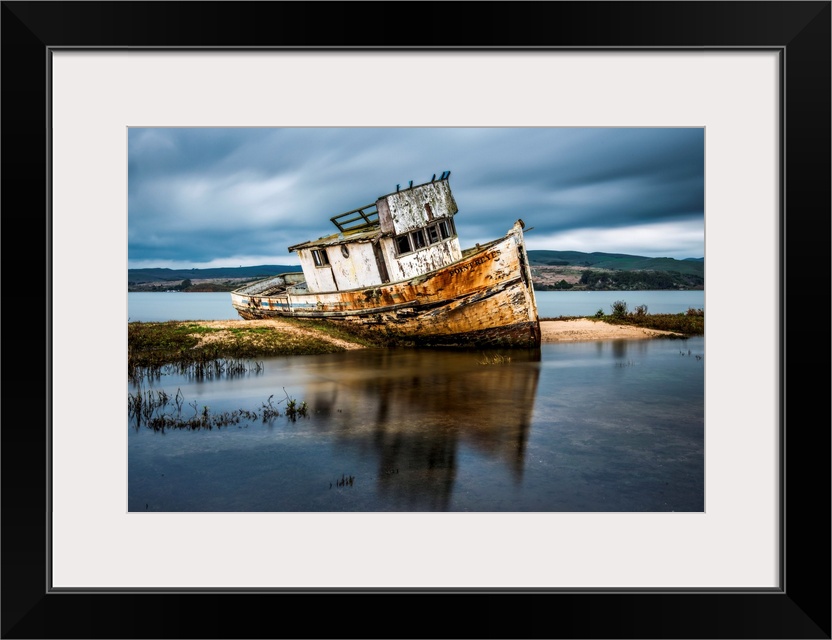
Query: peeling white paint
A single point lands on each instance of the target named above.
(405, 210)
(358, 269)
(401, 212)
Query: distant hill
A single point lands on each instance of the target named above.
(551, 270)
(615, 261)
(142, 276)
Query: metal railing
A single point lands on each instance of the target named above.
(356, 219)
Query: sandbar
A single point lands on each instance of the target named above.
(582, 329)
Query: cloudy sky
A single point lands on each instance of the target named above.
(203, 197)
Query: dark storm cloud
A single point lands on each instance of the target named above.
(604, 178)
(242, 196)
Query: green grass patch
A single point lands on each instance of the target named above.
(251, 331)
(686, 324)
(153, 345)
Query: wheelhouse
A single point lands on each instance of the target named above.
(398, 237)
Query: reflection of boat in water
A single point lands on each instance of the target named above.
(395, 270)
(417, 411)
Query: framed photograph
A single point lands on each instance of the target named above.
(754, 76)
(440, 384)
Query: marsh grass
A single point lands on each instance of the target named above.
(154, 345)
(159, 411)
(494, 358)
(208, 369)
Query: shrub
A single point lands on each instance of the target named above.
(619, 309)
(599, 313)
(641, 310)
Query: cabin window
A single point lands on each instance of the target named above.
(403, 244)
(345, 251)
(418, 239)
(445, 229)
(320, 258)
(433, 234)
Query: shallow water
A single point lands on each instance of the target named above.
(596, 426)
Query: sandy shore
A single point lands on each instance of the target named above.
(551, 331)
(583, 330)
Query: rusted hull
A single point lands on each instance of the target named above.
(484, 300)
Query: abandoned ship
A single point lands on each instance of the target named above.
(395, 270)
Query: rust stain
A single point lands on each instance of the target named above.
(468, 304)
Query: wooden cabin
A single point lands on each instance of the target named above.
(400, 236)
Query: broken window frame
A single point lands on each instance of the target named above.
(403, 239)
(418, 239)
(320, 258)
(424, 237)
(446, 228)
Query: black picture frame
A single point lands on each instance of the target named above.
(800, 608)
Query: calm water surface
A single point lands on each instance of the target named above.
(606, 426)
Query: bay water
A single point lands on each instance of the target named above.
(601, 426)
(176, 305)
